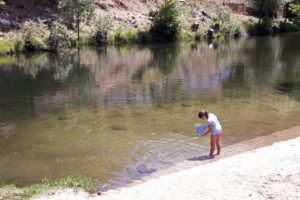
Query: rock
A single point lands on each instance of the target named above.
(6, 25)
(133, 21)
(205, 14)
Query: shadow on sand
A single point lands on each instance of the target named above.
(199, 158)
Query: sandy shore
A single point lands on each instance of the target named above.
(271, 172)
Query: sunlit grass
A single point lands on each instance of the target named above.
(6, 46)
(11, 192)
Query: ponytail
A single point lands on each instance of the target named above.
(206, 114)
(203, 113)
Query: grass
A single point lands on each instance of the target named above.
(6, 46)
(11, 192)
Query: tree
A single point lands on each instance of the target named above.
(265, 8)
(80, 11)
(58, 37)
(165, 23)
(294, 8)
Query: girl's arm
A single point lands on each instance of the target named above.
(209, 127)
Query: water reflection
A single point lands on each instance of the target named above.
(116, 114)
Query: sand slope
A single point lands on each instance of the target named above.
(271, 172)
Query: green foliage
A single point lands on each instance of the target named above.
(218, 37)
(33, 36)
(198, 36)
(223, 15)
(186, 36)
(75, 13)
(265, 27)
(265, 8)
(103, 27)
(11, 192)
(124, 37)
(6, 46)
(229, 27)
(294, 8)
(144, 37)
(2, 2)
(288, 27)
(75, 182)
(165, 22)
(59, 37)
(34, 189)
(83, 10)
(19, 45)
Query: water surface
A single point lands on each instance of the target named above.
(116, 114)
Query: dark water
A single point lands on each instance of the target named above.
(116, 114)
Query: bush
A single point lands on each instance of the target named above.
(34, 34)
(19, 45)
(265, 27)
(144, 37)
(103, 27)
(34, 44)
(124, 37)
(288, 27)
(231, 29)
(294, 9)
(165, 23)
(186, 36)
(59, 37)
(198, 36)
(6, 46)
(223, 15)
(265, 8)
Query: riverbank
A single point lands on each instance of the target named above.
(128, 22)
(270, 172)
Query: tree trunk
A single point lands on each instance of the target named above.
(78, 30)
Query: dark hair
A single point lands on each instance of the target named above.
(203, 113)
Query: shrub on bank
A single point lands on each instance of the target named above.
(122, 36)
(228, 26)
(294, 9)
(265, 27)
(286, 27)
(102, 29)
(165, 22)
(269, 27)
(59, 37)
(34, 36)
(6, 46)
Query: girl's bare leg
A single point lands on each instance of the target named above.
(213, 140)
(218, 145)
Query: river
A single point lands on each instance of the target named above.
(119, 113)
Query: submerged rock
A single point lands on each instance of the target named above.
(142, 169)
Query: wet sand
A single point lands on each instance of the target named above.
(244, 171)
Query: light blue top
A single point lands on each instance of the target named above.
(214, 123)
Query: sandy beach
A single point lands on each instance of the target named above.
(271, 172)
